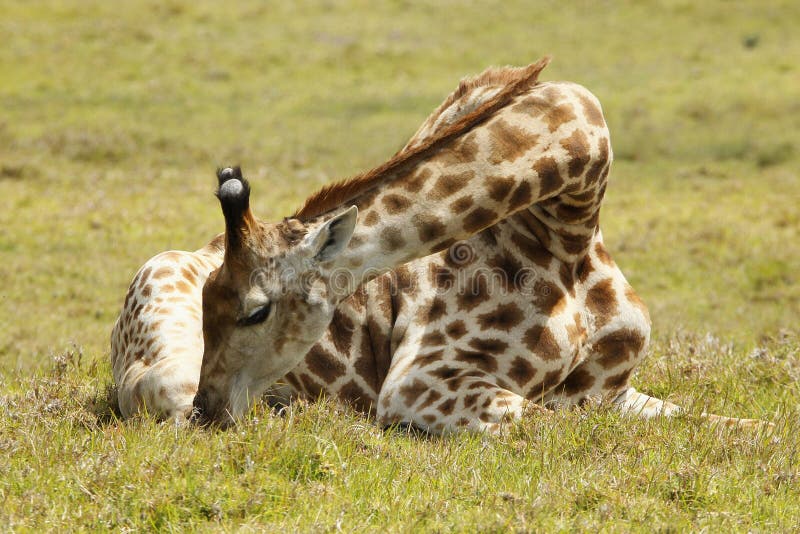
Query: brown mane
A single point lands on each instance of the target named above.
(516, 81)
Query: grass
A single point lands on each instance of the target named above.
(115, 116)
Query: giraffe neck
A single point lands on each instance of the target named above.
(541, 155)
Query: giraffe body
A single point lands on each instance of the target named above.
(508, 302)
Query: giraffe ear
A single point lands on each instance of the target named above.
(234, 198)
(330, 239)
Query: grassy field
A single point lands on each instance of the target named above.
(115, 116)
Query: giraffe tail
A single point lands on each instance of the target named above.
(635, 403)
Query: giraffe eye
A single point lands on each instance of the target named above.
(259, 315)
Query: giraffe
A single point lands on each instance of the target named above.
(462, 284)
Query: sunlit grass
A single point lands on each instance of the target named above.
(114, 117)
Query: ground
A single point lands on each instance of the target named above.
(115, 117)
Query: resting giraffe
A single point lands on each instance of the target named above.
(535, 311)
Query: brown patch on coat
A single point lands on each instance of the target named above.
(601, 300)
(504, 318)
(478, 219)
(618, 347)
(462, 204)
(484, 362)
(323, 364)
(394, 203)
(521, 371)
(541, 341)
(392, 240)
(577, 148)
(429, 226)
(550, 180)
(456, 329)
(578, 381)
(449, 184)
(509, 142)
(592, 112)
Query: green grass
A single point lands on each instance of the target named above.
(114, 117)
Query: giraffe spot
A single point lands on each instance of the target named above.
(499, 187)
(442, 245)
(478, 219)
(507, 268)
(474, 293)
(585, 269)
(429, 358)
(595, 172)
(464, 150)
(603, 255)
(394, 204)
(323, 364)
(445, 372)
(541, 341)
(461, 205)
(462, 421)
(183, 286)
(532, 250)
(188, 275)
(491, 345)
(509, 142)
(504, 317)
(449, 184)
(521, 371)
(432, 313)
(145, 275)
(532, 105)
(578, 151)
(484, 362)
(428, 227)
(392, 240)
(355, 395)
(446, 407)
(456, 329)
(556, 116)
(471, 399)
(371, 219)
(576, 244)
(573, 214)
(415, 183)
(310, 386)
(412, 392)
(341, 331)
(634, 299)
(163, 272)
(522, 196)
(550, 380)
(429, 418)
(146, 290)
(433, 339)
(442, 278)
(617, 382)
(550, 181)
(601, 300)
(618, 347)
(578, 381)
(592, 112)
(429, 399)
(549, 298)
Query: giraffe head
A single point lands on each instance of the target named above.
(267, 304)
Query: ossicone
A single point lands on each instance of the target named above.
(234, 198)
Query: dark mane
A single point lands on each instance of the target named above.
(516, 80)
